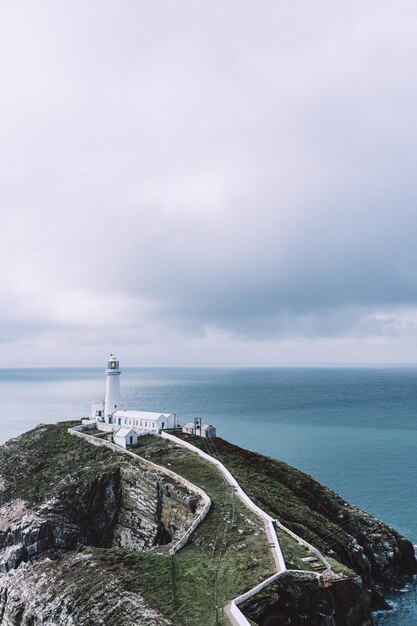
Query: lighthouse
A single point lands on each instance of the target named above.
(112, 398)
(106, 415)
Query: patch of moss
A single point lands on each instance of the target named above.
(340, 568)
(42, 462)
(293, 552)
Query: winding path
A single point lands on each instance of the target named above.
(232, 611)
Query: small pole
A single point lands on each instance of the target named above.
(216, 591)
(174, 594)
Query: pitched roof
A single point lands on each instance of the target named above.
(142, 415)
(193, 425)
(123, 431)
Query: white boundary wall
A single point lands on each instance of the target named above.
(267, 519)
(270, 523)
(77, 431)
(238, 618)
(237, 613)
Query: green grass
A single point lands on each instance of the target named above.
(293, 552)
(100, 434)
(230, 539)
(340, 569)
(180, 587)
(306, 507)
(42, 462)
(93, 582)
(147, 574)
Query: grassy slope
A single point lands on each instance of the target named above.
(299, 502)
(46, 460)
(43, 461)
(94, 586)
(236, 547)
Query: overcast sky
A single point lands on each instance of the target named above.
(223, 182)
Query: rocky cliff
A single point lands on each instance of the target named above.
(85, 532)
(300, 601)
(60, 494)
(79, 589)
(372, 549)
(368, 556)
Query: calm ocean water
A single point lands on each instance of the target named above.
(353, 429)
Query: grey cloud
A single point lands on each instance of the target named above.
(168, 169)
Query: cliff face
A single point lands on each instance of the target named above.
(64, 593)
(376, 551)
(299, 601)
(84, 534)
(106, 501)
(153, 511)
(124, 508)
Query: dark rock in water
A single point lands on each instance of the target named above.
(80, 496)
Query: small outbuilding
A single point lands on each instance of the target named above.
(208, 430)
(124, 437)
(188, 428)
(97, 411)
(193, 428)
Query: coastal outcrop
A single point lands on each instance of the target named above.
(372, 549)
(60, 495)
(345, 534)
(85, 534)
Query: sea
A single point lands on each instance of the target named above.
(353, 429)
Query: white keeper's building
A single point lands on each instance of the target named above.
(109, 416)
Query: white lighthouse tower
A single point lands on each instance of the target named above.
(127, 424)
(112, 398)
